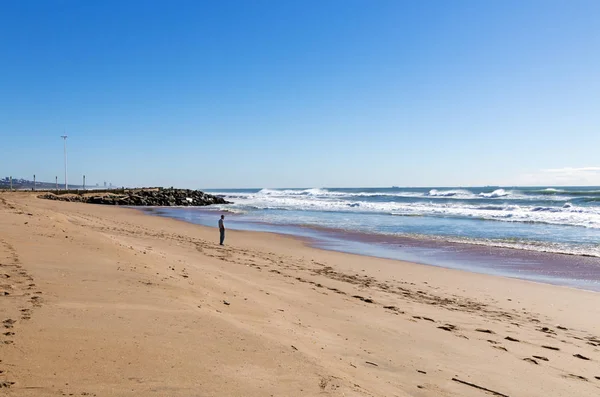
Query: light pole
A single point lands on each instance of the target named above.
(64, 137)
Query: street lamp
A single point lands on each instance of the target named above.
(64, 137)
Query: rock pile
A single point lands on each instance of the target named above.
(143, 197)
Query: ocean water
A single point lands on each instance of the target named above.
(564, 220)
(543, 234)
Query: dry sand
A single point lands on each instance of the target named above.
(105, 301)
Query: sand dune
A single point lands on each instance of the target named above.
(105, 301)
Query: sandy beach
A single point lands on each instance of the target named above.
(108, 301)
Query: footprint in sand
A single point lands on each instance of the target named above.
(547, 330)
(573, 376)
(448, 327)
(509, 338)
(581, 357)
(394, 309)
(530, 360)
(550, 348)
(8, 323)
(424, 318)
(541, 358)
(367, 300)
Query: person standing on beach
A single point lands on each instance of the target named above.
(222, 228)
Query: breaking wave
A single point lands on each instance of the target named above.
(498, 204)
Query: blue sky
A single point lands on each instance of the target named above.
(302, 93)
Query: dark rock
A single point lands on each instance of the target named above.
(143, 197)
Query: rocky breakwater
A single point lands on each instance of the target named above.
(142, 197)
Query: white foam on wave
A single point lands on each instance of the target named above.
(324, 193)
(538, 246)
(450, 193)
(496, 193)
(297, 192)
(567, 216)
(434, 194)
(303, 200)
(466, 194)
(453, 194)
(551, 189)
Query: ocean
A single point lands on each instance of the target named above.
(557, 225)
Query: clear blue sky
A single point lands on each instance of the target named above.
(302, 93)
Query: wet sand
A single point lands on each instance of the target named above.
(548, 267)
(106, 301)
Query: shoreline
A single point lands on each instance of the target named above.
(113, 302)
(314, 244)
(576, 271)
(520, 217)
